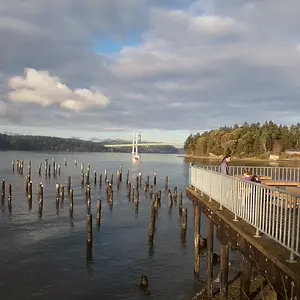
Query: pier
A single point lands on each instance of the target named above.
(261, 220)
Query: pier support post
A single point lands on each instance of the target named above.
(224, 271)
(245, 279)
(197, 222)
(98, 215)
(210, 249)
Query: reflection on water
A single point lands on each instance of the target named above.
(48, 247)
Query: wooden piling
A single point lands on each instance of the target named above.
(166, 182)
(13, 165)
(62, 193)
(3, 188)
(152, 222)
(175, 193)
(9, 195)
(29, 195)
(111, 197)
(180, 204)
(87, 192)
(40, 168)
(26, 184)
(98, 216)
(57, 191)
(29, 167)
(46, 167)
(71, 204)
(95, 178)
(140, 178)
(151, 191)
(132, 194)
(224, 253)
(100, 180)
(129, 191)
(87, 178)
(41, 198)
(127, 177)
(197, 223)
(210, 251)
(154, 178)
(82, 179)
(121, 173)
(89, 229)
(245, 279)
(184, 221)
(66, 162)
(144, 282)
(105, 175)
(112, 179)
(75, 162)
(59, 168)
(69, 184)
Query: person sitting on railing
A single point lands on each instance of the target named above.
(224, 164)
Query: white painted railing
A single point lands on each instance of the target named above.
(276, 173)
(271, 211)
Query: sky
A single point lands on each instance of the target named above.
(168, 68)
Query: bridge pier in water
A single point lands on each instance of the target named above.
(259, 221)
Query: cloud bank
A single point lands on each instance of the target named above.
(194, 65)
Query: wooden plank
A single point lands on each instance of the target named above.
(280, 183)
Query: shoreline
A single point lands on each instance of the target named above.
(238, 159)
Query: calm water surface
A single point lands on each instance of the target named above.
(44, 256)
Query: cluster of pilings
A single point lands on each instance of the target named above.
(133, 193)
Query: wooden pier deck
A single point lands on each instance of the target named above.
(266, 255)
(273, 259)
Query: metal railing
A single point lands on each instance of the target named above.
(271, 211)
(276, 173)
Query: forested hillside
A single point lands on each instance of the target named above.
(47, 143)
(252, 140)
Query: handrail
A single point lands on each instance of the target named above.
(276, 173)
(271, 211)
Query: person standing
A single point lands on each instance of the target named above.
(224, 164)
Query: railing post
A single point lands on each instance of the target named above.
(257, 214)
(190, 170)
(221, 190)
(235, 199)
(210, 175)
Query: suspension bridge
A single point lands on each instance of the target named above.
(146, 144)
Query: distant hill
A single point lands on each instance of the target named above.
(48, 143)
(55, 144)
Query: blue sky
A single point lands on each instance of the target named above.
(99, 69)
(108, 44)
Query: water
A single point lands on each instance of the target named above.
(45, 257)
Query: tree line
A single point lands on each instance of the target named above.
(47, 143)
(247, 140)
(56, 144)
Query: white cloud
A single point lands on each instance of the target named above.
(41, 88)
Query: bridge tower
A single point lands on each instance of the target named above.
(136, 138)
